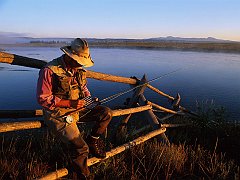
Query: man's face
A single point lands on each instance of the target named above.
(71, 62)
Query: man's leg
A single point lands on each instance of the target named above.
(69, 133)
(102, 116)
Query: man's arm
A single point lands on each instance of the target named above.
(44, 90)
(47, 99)
(86, 92)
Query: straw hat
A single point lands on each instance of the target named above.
(79, 51)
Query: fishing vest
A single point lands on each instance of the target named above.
(65, 84)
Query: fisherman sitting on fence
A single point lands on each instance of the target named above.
(62, 89)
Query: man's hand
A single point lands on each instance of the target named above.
(76, 104)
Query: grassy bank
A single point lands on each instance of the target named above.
(227, 47)
(186, 46)
(209, 149)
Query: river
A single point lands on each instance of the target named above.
(200, 77)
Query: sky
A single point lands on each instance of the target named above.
(122, 18)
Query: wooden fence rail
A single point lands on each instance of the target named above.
(21, 113)
(14, 126)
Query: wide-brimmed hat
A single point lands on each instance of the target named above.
(79, 51)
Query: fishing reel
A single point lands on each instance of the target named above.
(69, 119)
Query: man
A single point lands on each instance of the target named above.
(62, 87)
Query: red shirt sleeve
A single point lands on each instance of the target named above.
(86, 92)
(44, 90)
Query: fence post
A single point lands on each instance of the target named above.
(121, 131)
(152, 119)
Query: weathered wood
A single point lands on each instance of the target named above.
(55, 175)
(14, 126)
(140, 90)
(136, 95)
(120, 112)
(150, 115)
(109, 154)
(14, 59)
(152, 119)
(160, 92)
(21, 113)
(162, 108)
(109, 77)
(39, 112)
(120, 134)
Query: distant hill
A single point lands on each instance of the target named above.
(16, 38)
(180, 39)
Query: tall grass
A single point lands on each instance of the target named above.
(154, 160)
(30, 156)
(207, 150)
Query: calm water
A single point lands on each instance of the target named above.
(204, 77)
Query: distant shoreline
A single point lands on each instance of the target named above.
(182, 46)
(226, 47)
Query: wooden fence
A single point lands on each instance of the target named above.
(137, 99)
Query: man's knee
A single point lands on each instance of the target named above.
(108, 111)
(80, 145)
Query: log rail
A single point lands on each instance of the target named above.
(14, 126)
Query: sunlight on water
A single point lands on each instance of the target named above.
(203, 76)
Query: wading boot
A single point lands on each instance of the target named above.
(96, 147)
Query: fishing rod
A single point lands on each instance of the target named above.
(90, 102)
(110, 98)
